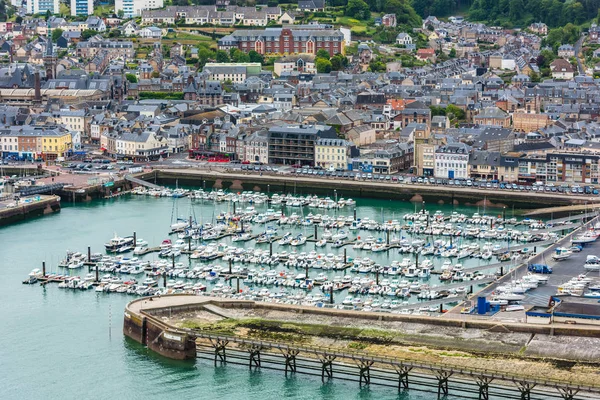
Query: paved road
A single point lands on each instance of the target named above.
(577, 50)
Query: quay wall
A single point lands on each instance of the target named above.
(88, 193)
(347, 188)
(29, 210)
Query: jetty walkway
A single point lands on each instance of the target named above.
(147, 321)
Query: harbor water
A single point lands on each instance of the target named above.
(69, 344)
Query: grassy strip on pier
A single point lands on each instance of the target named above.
(455, 351)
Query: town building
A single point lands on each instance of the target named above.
(256, 148)
(295, 145)
(404, 39)
(33, 142)
(566, 51)
(304, 63)
(134, 8)
(82, 7)
(389, 20)
(562, 69)
(452, 161)
(90, 48)
(492, 116)
(529, 122)
(42, 6)
(150, 32)
(539, 27)
(332, 153)
(234, 72)
(272, 41)
(311, 5)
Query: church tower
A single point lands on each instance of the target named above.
(50, 58)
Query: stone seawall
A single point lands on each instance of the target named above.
(159, 337)
(23, 211)
(348, 188)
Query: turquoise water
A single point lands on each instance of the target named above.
(69, 344)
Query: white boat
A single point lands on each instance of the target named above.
(587, 237)
(592, 263)
(321, 243)
(561, 253)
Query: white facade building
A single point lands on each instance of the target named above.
(41, 6)
(452, 161)
(82, 7)
(133, 8)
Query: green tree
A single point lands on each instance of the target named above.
(358, 9)
(48, 15)
(19, 19)
(454, 112)
(452, 53)
(221, 56)
(88, 33)
(120, 13)
(255, 56)
(155, 74)
(240, 57)
(376, 66)
(56, 33)
(131, 78)
(323, 65)
(322, 53)
(535, 77)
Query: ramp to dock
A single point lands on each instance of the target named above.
(140, 182)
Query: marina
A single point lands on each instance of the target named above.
(317, 251)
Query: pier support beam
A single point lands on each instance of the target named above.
(568, 393)
(403, 371)
(44, 270)
(484, 387)
(290, 359)
(364, 377)
(254, 360)
(442, 377)
(525, 388)
(220, 346)
(327, 366)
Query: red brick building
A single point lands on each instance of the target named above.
(283, 41)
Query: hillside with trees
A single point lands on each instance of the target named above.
(361, 10)
(553, 13)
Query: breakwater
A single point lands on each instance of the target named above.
(153, 322)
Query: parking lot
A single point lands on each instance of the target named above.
(408, 179)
